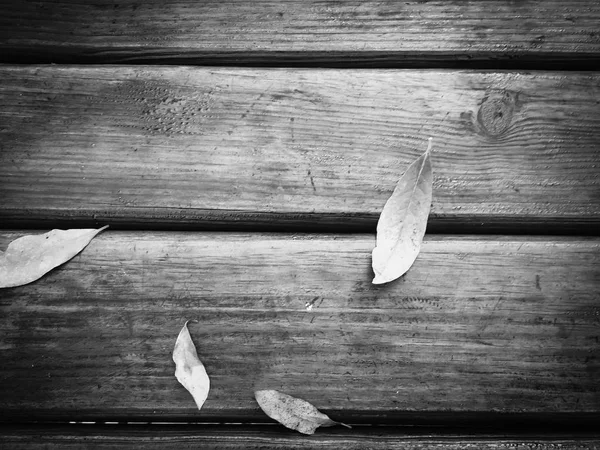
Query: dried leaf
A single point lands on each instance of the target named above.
(402, 223)
(30, 257)
(293, 412)
(189, 370)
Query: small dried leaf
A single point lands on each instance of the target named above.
(402, 223)
(189, 370)
(30, 257)
(292, 412)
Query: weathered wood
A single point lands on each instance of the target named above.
(230, 437)
(200, 148)
(376, 33)
(478, 326)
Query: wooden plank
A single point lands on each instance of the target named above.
(199, 148)
(230, 437)
(478, 326)
(376, 33)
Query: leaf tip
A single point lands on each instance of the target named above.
(378, 280)
(429, 145)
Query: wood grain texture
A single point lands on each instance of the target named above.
(200, 148)
(229, 437)
(478, 326)
(376, 33)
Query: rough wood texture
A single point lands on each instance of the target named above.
(193, 147)
(477, 326)
(224, 437)
(377, 33)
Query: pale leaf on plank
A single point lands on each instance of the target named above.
(292, 412)
(28, 258)
(403, 221)
(189, 370)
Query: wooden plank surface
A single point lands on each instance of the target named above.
(198, 148)
(231, 437)
(478, 326)
(302, 32)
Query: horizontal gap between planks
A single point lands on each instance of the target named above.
(221, 220)
(334, 60)
(404, 422)
(517, 427)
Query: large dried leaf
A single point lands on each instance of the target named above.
(29, 257)
(294, 413)
(189, 370)
(402, 223)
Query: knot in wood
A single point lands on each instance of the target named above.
(496, 112)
